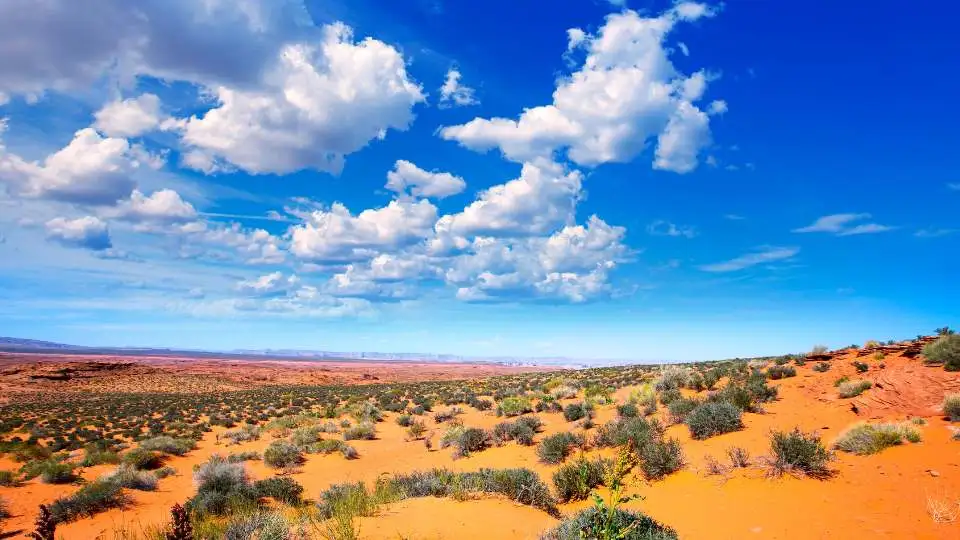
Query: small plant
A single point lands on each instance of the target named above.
(798, 452)
(951, 407)
(555, 448)
(819, 349)
(853, 388)
(860, 366)
(416, 430)
(679, 409)
(840, 380)
(363, 430)
(865, 439)
(45, 526)
(574, 411)
(470, 440)
(144, 459)
(944, 351)
(574, 481)
(739, 457)
(129, 477)
(405, 420)
(628, 410)
(281, 488)
(781, 372)
(168, 445)
(8, 479)
(180, 527)
(515, 406)
(713, 418)
(821, 367)
(91, 499)
(282, 454)
(660, 458)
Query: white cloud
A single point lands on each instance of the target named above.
(335, 235)
(162, 206)
(543, 198)
(844, 225)
(87, 232)
(269, 284)
(665, 228)
(683, 48)
(91, 169)
(218, 241)
(452, 93)
(766, 255)
(626, 93)
(935, 233)
(130, 117)
(318, 103)
(718, 107)
(421, 183)
(954, 186)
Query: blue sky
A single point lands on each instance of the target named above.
(628, 180)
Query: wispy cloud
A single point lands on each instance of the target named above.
(665, 228)
(935, 233)
(955, 186)
(768, 254)
(734, 217)
(844, 225)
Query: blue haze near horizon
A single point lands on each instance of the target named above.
(803, 189)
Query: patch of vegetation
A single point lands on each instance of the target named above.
(222, 488)
(522, 431)
(679, 409)
(143, 459)
(50, 471)
(851, 389)
(739, 457)
(555, 448)
(713, 418)
(865, 439)
(860, 366)
(628, 410)
(282, 454)
(91, 499)
(168, 445)
(465, 440)
(129, 477)
(821, 367)
(239, 457)
(799, 453)
(781, 372)
(574, 411)
(951, 407)
(944, 351)
(363, 430)
(280, 488)
(574, 481)
(661, 457)
(514, 406)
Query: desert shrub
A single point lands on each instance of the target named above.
(363, 430)
(680, 408)
(659, 458)
(481, 404)
(520, 485)
(781, 372)
(799, 452)
(164, 472)
(522, 431)
(366, 412)
(860, 366)
(853, 388)
(951, 407)
(305, 436)
(8, 479)
(416, 429)
(91, 499)
(144, 459)
(945, 350)
(351, 499)
(515, 406)
(621, 431)
(821, 367)
(244, 456)
(695, 382)
(244, 433)
(864, 439)
(645, 396)
(628, 410)
(50, 471)
(574, 411)
(168, 445)
(840, 380)
(819, 349)
(221, 488)
(670, 395)
(713, 418)
(445, 416)
(260, 525)
(94, 456)
(129, 477)
(739, 456)
(563, 392)
(470, 440)
(627, 525)
(573, 481)
(281, 488)
(405, 420)
(281, 454)
(671, 378)
(555, 448)
(597, 393)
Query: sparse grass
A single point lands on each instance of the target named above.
(626, 524)
(49, 471)
(739, 457)
(943, 509)
(865, 439)
(280, 488)
(951, 407)
(798, 453)
(851, 389)
(679, 409)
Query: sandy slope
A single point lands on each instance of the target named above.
(880, 496)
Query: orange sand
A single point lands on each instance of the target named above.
(880, 496)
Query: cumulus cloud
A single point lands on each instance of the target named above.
(454, 94)
(420, 183)
(202, 239)
(335, 235)
(770, 254)
(269, 284)
(844, 225)
(91, 169)
(319, 102)
(626, 93)
(87, 232)
(162, 206)
(130, 117)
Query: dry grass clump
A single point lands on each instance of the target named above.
(951, 407)
(795, 452)
(851, 389)
(865, 439)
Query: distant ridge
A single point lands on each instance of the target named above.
(15, 345)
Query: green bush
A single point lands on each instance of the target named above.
(574, 411)
(628, 410)
(631, 526)
(222, 487)
(244, 456)
(555, 448)
(670, 395)
(405, 420)
(282, 454)
(305, 436)
(520, 485)
(573, 481)
(821, 367)
(363, 430)
(860, 366)
(799, 452)
(95, 456)
(470, 440)
(713, 418)
(945, 350)
(8, 479)
(129, 477)
(660, 457)
(49, 471)
(854, 388)
(781, 372)
(281, 488)
(680, 408)
(168, 445)
(864, 439)
(144, 459)
(951, 407)
(626, 430)
(91, 499)
(515, 406)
